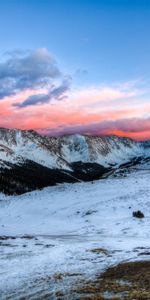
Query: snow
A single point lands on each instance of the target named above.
(32, 151)
(76, 149)
(23, 145)
(105, 151)
(17, 146)
(65, 223)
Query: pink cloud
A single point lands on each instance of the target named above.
(97, 110)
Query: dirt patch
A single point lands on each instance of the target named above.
(28, 237)
(126, 281)
(7, 245)
(89, 212)
(100, 251)
(61, 276)
(5, 238)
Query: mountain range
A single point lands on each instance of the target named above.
(31, 161)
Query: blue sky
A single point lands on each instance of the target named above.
(108, 39)
(101, 50)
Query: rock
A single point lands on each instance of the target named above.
(138, 214)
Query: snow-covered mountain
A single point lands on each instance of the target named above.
(50, 160)
(17, 146)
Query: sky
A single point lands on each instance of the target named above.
(76, 66)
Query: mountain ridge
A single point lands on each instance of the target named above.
(30, 160)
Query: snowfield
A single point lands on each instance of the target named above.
(46, 233)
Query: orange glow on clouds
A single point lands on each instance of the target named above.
(101, 110)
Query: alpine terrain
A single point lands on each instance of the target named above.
(57, 242)
(30, 161)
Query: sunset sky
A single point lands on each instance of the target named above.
(80, 66)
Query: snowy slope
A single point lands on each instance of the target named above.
(17, 146)
(28, 145)
(105, 150)
(29, 161)
(54, 230)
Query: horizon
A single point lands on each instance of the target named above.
(72, 134)
(81, 69)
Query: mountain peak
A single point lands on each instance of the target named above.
(35, 160)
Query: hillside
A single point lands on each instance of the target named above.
(52, 240)
(29, 161)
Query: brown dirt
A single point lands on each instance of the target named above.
(126, 281)
(100, 251)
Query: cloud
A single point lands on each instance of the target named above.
(102, 94)
(57, 93)
(33, 100)
(125, 126)
(31, 70)
(31, 84)
(132, 125)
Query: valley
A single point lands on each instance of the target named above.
(56, 240)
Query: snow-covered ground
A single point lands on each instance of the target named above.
(53, 231)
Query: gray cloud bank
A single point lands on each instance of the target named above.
(56, 93)
(125, 125)
(31, 70)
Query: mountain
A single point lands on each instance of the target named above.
(29, 160)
